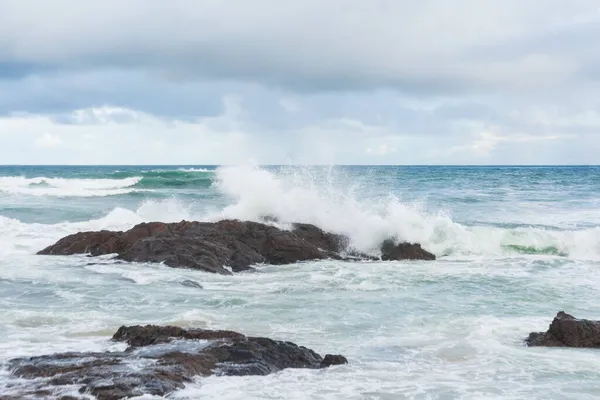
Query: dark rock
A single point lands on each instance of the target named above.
(214, 246)
(192, 284)
(161, 359)
(404, 251)
(137, 336)
(269, 219)
(567, 331)
(39, 394)
(330, 360)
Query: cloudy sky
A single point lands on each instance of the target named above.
(300, 81)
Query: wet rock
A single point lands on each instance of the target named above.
(567, 331)
(269, 219)
(192, 284)
(215, 247)
(161, 359)
(404, 251)
(330, 360)
(40, 394)
(138, 336)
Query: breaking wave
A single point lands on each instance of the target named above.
(335, 206)
(117, 183)
(188, 178)
(252, 193)
(19, 237)
(64, 187)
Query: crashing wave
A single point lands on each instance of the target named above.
(253, 193)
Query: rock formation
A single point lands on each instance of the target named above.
(158, 361)
(567, 331)
(229, 243)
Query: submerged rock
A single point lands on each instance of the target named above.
(192, 284)
(567, 331)
(160, 360)
(214, 246)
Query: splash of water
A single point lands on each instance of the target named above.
(335, 206)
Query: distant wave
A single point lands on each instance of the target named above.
(189, 178)
(197, 170)
(64, 187)
(117, 183)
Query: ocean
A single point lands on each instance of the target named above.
(515, 245)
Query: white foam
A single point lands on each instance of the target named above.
(298, 197)
(196, 170)
(23, 238)
(169, 210)
(61, 187)
(255, 193)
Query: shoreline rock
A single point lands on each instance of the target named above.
(160, 360)
(214, 246)
(567, 331)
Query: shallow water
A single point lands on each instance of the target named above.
(515, 246)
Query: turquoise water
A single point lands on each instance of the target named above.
(515, 245)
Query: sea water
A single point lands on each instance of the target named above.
(514, 246)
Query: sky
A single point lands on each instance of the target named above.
(300, 81)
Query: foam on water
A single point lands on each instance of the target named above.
(60, 187)
(334, 206)
(19, 237)
(448, 329)
(257, 193)
(196, 170)
(114, 183)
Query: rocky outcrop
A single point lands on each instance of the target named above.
(160, 360)
(567, 331)
(404, 251)
(229, 243)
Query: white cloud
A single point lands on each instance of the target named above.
(228, 139)
(559, 117)
(382, 149)
(47, 140)
(487, 141)
(102, 136)
(289, 105)
(484, 143)
(104, 115)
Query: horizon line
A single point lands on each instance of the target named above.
(301, 165)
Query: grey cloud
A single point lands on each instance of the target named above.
(10, 70)
(422, 47)
(348, 81)
(60, 92)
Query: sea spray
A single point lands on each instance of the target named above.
(336, 207)
(334, 201)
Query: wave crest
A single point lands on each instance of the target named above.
(188, 178)
(64, 187)
(116, 183)
(332, 204)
